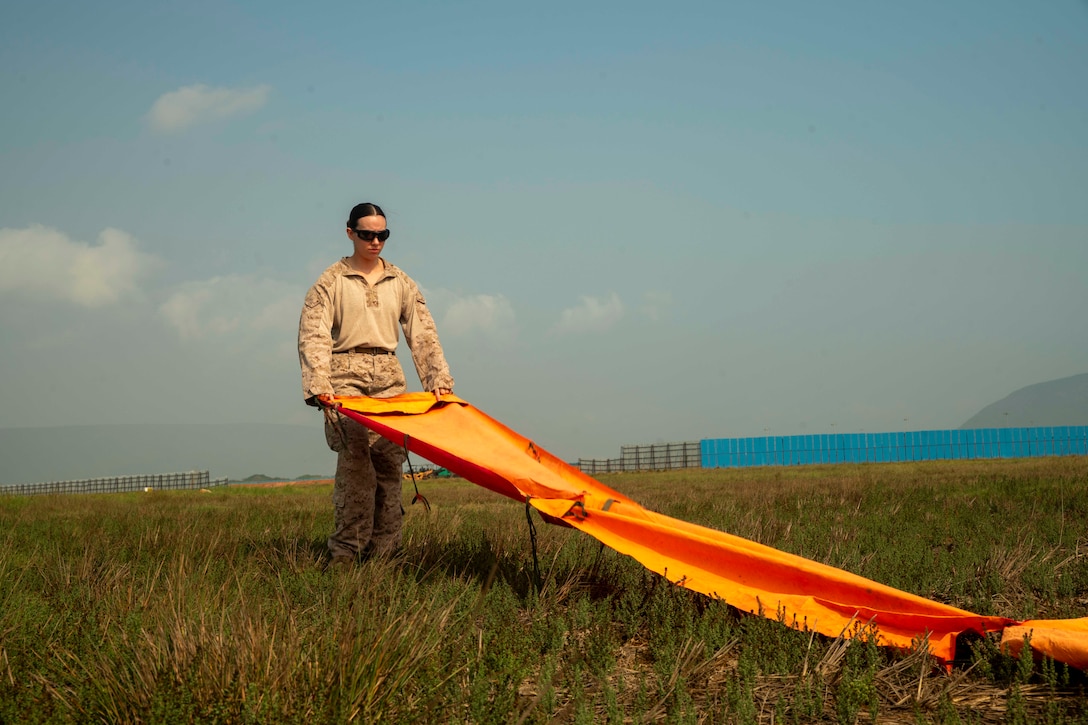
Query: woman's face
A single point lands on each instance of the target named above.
(367, 250)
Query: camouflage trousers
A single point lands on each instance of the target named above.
(366, 496)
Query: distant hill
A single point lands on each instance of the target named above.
(1057, 402)
(234, 451)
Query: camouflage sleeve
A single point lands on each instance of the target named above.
(315, 342)
(422, 337)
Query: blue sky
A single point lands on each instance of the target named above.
(634, 223)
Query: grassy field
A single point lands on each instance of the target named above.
(215, 607)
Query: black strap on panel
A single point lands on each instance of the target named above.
(532, 540)
(418, 497)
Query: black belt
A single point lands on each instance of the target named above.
(367, 351)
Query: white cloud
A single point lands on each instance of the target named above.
(491, 315)
(592, 315)
(656, 305)
(234, 305)
(188, 106)
(183, 309)
(44, 263)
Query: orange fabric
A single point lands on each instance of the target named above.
(1063, 640)
(746, 574)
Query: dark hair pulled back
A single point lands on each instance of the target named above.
(361, 210)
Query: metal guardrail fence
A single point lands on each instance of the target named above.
(933, 445)
(119, 484)
(656, 457)
(714, 453)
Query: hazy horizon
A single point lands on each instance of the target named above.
(285, 451)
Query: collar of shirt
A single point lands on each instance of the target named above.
(348, 271)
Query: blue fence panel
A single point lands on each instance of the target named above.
(981, 443)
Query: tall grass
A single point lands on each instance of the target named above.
(216, 607)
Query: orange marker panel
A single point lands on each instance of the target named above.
(746, 574)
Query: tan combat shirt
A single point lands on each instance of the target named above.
(343, 311)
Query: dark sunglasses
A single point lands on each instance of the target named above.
(368, 236)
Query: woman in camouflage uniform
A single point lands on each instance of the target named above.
(347, 340)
